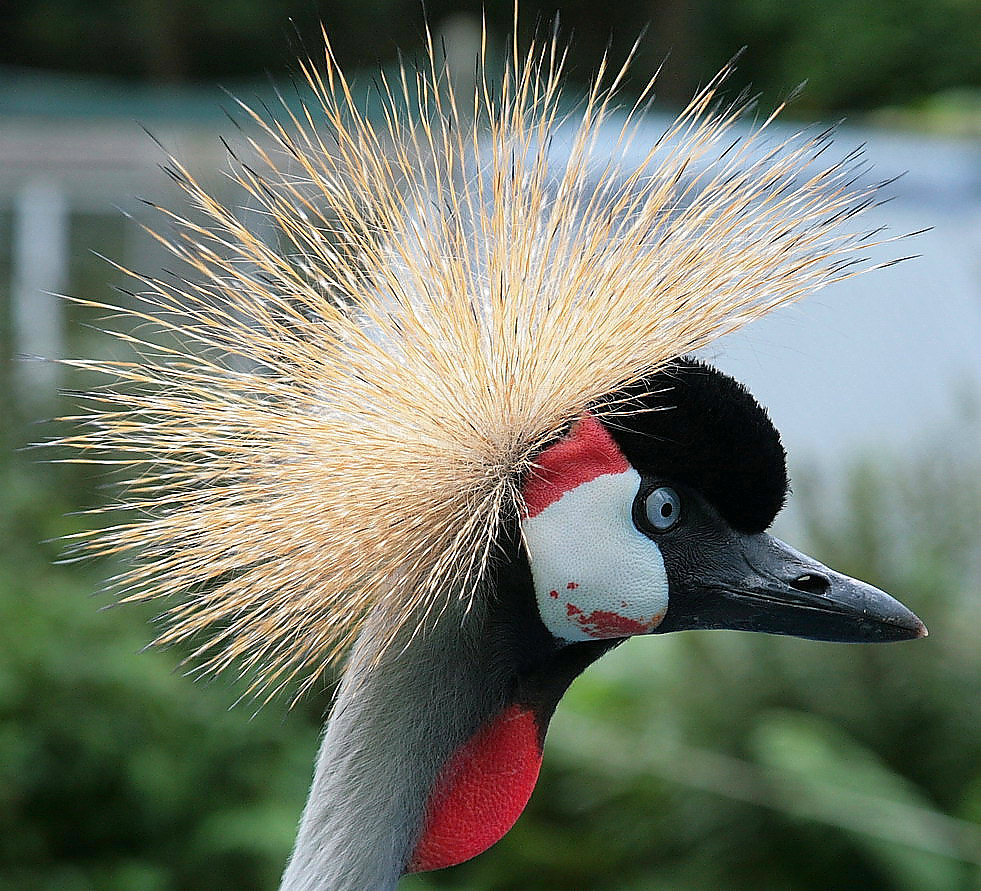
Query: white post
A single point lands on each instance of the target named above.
(459, 35)
(39, 270)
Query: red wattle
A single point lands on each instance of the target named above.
(586, 453)
(480, 792)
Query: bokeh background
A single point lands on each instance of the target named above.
(707, 760)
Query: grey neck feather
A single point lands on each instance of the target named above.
(391, 729)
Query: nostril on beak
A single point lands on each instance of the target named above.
(811, 583)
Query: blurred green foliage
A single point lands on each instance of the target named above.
(856, 54)
(115, 771)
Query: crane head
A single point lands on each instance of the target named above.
(656, 522)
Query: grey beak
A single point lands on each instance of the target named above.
(763, 584)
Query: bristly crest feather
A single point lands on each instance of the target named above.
(343, 413)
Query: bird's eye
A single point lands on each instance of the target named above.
(663, 508)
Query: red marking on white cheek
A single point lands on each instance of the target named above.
(480, 792)
(603, 623)
(583, 546)
(586, 453)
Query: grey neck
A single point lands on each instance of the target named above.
(391, 729)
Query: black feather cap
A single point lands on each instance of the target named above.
(694, 425)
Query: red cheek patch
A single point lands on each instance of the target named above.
(586, 453)
(480, 792)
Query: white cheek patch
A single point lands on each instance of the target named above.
(595, 574)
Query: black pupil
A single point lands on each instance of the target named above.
(666, 509)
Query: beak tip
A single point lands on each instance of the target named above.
(911, 625)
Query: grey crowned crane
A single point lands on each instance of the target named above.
(439, 422)
(649, 525)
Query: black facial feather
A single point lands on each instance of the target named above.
(709, 433)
